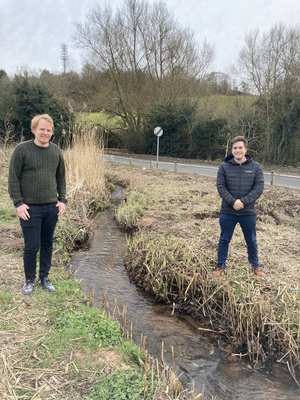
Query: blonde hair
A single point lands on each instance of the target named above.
(35, 121)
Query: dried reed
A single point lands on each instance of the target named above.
(85, 174)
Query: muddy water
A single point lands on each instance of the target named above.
(198, 357)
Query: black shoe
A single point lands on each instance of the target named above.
(28, 287)
(47, 285)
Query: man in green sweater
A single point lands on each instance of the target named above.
(37, 187)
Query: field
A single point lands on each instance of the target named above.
(100, 118)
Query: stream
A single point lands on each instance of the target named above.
(198, 355)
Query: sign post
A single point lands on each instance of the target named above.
(158, 132)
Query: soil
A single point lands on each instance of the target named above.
(11, 240)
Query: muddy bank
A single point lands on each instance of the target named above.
(173, 220)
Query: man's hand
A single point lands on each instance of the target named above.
(61, 208)
(238, 205)
(22, 212)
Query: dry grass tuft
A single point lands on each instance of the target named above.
(86, 184)
(85, 167)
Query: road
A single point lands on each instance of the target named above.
(280, 179)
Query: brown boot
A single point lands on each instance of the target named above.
(217, 272)
(259, 273)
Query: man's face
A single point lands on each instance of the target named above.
(238, 151)
(43, 133)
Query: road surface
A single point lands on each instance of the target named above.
(280, 179)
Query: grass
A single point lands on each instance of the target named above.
(122, 385)
(220, 106)
(55, 345)
(100, 118)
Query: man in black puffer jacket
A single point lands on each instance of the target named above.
(240, 183)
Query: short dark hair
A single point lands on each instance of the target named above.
(239, 139)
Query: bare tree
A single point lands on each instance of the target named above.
(261, 58)
(270, 62)
(145, 52)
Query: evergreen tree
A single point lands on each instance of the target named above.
(3, 74)
(33, 98)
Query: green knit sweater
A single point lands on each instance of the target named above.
(36, 174)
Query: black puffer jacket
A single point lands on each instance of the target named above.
(240, 181)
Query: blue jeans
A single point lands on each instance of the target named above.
(248, 225)
(38, 234)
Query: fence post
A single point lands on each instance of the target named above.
(272, 178)
(151, 164)
(175, 167)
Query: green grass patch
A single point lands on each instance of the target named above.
(5, 302)
(5, 297)
(86, 322)
(123, 385)
(103, 119)
(132, 354)
(223, 105)
(294, 224)
(5, 215)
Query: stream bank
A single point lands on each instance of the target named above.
(198, 356)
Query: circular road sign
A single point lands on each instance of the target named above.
(158, 131)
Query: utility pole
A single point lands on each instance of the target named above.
(64, 56)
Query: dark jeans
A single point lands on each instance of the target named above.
(248, 225)
(38, 234)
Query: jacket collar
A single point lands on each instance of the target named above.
(230, 159)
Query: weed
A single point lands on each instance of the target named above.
(128, 239)
(138, 209)
(8, 326)
(123, 385)
(294, 224)
(66, 235)
(5, 297)
(132, 354)
(5, 215)
(86, 323)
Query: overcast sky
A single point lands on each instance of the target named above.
(32, 31)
